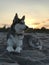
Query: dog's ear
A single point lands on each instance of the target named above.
(16, 15)
(23, 18)
(15, 18)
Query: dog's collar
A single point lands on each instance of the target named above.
(19, 34)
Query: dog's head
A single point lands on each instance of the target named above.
(19, 24)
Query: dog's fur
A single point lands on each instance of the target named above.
(15, 36)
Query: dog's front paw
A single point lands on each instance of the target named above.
(18, 49)
(10, 49)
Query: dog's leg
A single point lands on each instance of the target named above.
(10, 49)
(19, 46)
(18, 49)
(10, 45)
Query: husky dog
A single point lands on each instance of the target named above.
(15, 36)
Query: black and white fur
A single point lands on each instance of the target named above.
(15, 36)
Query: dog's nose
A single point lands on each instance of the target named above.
(26, 28)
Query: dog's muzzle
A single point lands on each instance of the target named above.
(26, 28)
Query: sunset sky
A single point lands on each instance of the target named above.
(36, 12)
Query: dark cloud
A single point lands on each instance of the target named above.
(46, 25)
(43, 22)
(36, 23)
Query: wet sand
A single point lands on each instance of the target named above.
(27, 56)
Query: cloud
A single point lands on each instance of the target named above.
(43, 21)
(47, 20)
(46, 25)
(36, 23)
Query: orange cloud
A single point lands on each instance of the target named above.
(36, 23)
(46, 25)
(47, 19)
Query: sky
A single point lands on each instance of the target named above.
(36, 12)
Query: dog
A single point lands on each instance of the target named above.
(15, 35)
